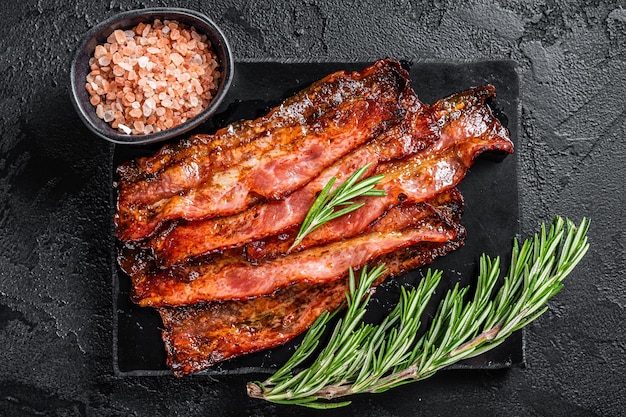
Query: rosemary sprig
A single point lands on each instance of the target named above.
(331, 204)
(372, 358)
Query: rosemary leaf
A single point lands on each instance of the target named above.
(331, 204)
(370, 358)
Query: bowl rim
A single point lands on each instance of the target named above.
(86, 110)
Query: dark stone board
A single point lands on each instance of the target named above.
(490, 190)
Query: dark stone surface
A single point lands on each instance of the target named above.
(55, 266)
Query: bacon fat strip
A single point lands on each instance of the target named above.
(197, 337)
(279, 158)
(228, 276)
(417, 131)
(467, 128)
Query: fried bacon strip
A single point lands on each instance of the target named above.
(265, 159)
(467, 129)
(198, 336)
(417, 131)
(230, 277)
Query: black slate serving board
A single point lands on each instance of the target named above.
(490, 190)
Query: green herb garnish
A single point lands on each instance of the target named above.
(331, 204)
(372, 358)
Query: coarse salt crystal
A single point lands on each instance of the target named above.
(104, 61)
(182, 48)
(139, 125)
(124, 128)
(108, 116)
(99, 52)
(120, 37)
(196, 59)
(176, 58)
(143, 61)
(125, 66)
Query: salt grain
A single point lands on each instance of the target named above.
(147, 111)
(143, 61)
(196, 59)
(120, 37)
(124, 128)
(176, 58)
(104, 61)
(125, 65)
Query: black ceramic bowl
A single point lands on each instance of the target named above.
(127, 20)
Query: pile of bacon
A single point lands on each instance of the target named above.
(206, 225)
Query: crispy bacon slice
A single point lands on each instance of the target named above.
(265, 159)
(467, 128)
(229, 277)
(197, 337)
(417, 131)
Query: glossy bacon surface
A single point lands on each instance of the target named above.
(229, 276)
(267, 158)
(416, 131)
(198, 336)
(467, 129)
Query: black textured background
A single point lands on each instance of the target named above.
(55, 267)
